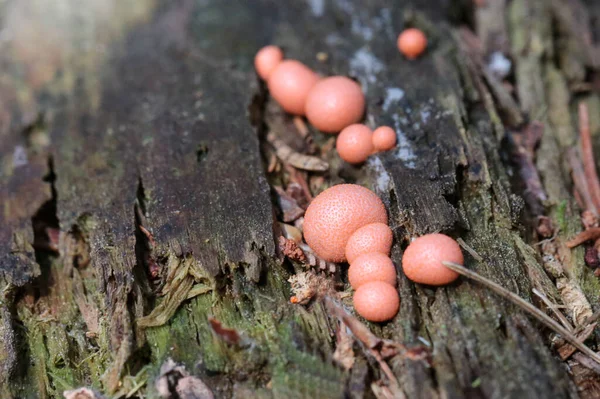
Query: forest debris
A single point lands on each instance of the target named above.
(587, 362)
(273, 165)
(193, 388)
(527, 307)
(524, 145)
(316, 262)
(554, 308)
(297, 190)
(82, 393)
(591, 257)
(344, 353)
(291, 250)
(302, 129)
(580, 182)
(379, 348)
(577, 302)
(591, 234)
(544, 227)
(586, 380)
(229, 335)
(306, 285)
(566, 350)
(294, 158)
(148, 235)
(291, 232)
(587, 154)
(299, 178)
(185, 280)
(288, 205)
(174, 381)
(89, 310)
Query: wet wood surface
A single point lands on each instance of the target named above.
(131, 138)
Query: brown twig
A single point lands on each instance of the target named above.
(580, 181)
(590, 234)
(587, 153)
(526, 306)
(369, 340)
(554, 310)
(523, 155)
(470, 250)
(302, 129)
(567, 349)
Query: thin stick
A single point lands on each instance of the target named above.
(470, 250)
(587, 152)
(554, 310)
(526, 306)
(591, 234)
(301, 126)
(580, 181)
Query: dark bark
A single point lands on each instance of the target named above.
(157, 215)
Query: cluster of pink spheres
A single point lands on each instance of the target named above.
(348, 222)
(334, 104)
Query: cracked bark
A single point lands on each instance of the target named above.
(157, 126)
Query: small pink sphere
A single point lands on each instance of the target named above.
(290, 83)
(374, 237)
(422, 260)
(369, 267)
(355, 144)
(376, 301)
(266, 60)
(412, 42)
(335, 103)
(384, 138)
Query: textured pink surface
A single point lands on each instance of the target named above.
(335, 214)
(355, 144)
(334, 103)
(384, 138)
(266, 60)
(369, 267)
(374, 237)
(412, 42)
(290, 83)
(422, 260)
(376, 301)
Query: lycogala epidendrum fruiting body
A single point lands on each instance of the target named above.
(422, 260)
(266, 60)
(290, 83)
(374, 237)
(412, 42)
(376, 301)
(384, 138)
(335, 214)
(355, 143)
(334, 103)
(369, 267)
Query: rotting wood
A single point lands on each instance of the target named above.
(164, 106)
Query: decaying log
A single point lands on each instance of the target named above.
(138, 252)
